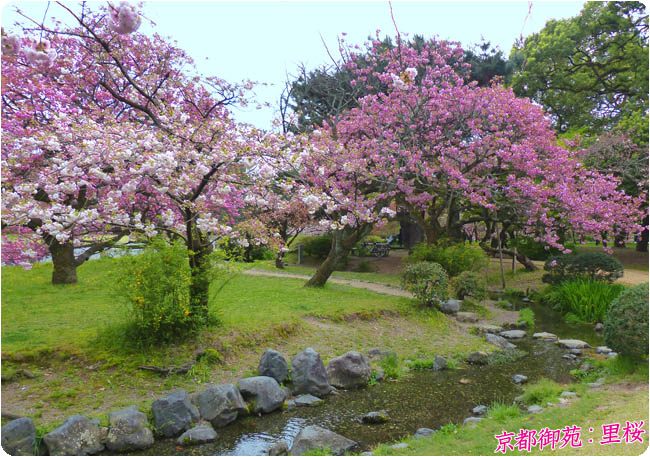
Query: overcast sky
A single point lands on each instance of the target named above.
(265, 41)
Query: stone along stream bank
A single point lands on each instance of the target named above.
(423, 398)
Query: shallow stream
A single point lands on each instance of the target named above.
(422, 399)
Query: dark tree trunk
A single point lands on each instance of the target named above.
(619, 241)
(199, 284)
(454, 227)
(643, 238)
(521, 258)
(342, 243)
(278, 260)
(199, 249)
(410, 232)
(65, 266)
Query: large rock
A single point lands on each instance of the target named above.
(423, 432)
(19, 436)
(264, 392)
(573, 344)
(439, 363)
(545, 336)
(375, 417)
(519, 379)
(77, 436)
(467, 317)
(220, 405)
(472, 420)
(348, 371)
(273, 364)
(376, 354)
(478, 358)
(314, 437)
(488, 328)
(308, 374)
(513, 334)
(307, 400)
(200, 434)
(451, 306)
(603, 350)
(499, 341)
(129, 430)
(174, 414)
(480, 410)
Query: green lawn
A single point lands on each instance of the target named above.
(38, 315)
(387, 279)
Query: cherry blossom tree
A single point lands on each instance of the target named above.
(122, 112)
(275, 200)
(450, 151)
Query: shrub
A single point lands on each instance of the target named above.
(454, 259)
(504, 304)
(535, 250)
(366, 267)
(586, 299)
(317, 246)
(500, 411)
(596, 266)
(469, 284)
(390, 365)
(527, 316)
(235, 251)
(156, 284)
(541, 392)
(427, 281)
(626, 323)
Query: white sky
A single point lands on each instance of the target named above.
(264, 41)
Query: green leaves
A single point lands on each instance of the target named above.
(589, 70)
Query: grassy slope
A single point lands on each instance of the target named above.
(36, 314)
(71, 338)
(387, 279)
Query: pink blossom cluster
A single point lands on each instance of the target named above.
(124, 18)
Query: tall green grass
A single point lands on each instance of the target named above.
(586, 299)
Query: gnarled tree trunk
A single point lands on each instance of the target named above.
(521, 258)
(342, 243)
(65, 265)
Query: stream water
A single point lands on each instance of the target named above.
(422, 399)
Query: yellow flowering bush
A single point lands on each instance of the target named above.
(156, 285)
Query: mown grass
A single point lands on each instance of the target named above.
(379, 278)
(37, 315)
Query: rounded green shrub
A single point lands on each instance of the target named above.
(317, 246)
(626, 323)
(469, 284)
(156, 285)
(594, 266)
(535, 250)
(427, 281)
(455, 258)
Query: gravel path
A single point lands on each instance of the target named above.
(379, 288)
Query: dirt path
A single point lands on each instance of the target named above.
(633, 277)
(379, 288)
